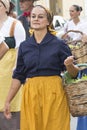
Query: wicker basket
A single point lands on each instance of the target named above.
(78, 48)
(77, 96)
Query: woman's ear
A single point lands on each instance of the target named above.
(48, 23)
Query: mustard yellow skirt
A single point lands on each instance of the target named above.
(44, 105)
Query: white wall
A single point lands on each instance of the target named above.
(86, 7)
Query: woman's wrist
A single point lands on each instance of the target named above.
(68, 64)
(5, 44)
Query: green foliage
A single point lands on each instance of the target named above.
(69, 80)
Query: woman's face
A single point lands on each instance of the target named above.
(73, 12)
(39, 19)
(2, 9)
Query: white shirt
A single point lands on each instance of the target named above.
(83, 27)
(19, 32)
(70, 25)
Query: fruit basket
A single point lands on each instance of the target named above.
(76, 91)
(78, 48)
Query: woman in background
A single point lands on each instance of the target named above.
(73, 24)
(12, 34)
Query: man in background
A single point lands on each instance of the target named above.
(26, 7)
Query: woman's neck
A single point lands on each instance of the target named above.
(39, 35)
(76, 20)
(2, 20)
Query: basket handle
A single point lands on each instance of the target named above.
(75, 31)
(80, 72)
(82, 65)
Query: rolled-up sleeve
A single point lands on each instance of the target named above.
(64, 53)
(20, 70)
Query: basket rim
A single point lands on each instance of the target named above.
(73, 83)
(81, 47)
(67, 76)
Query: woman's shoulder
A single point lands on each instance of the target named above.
(28, 41)
(11, 20)
(70, 21)
(58, 39)
(60, 42)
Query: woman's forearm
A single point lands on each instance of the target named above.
(3, 49)
(15, 85)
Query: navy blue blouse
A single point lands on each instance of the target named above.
(44, 59)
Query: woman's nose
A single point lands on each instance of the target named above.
(36, 18)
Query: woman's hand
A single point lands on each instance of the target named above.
(15, 86)
(69, 61)
(7, 112)
(71, 68)
(65, 36)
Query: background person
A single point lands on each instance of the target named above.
(74, 23)
(39, 65)
(26, 7)
(10, 39)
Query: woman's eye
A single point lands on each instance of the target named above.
(33, 16)
(40, 16)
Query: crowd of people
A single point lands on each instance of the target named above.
(32, 58)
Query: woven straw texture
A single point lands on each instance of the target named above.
(78, 48)
(76, 91)
(77, 98)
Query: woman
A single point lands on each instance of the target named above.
(74, 23)
(39, 66)
(10, 38)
